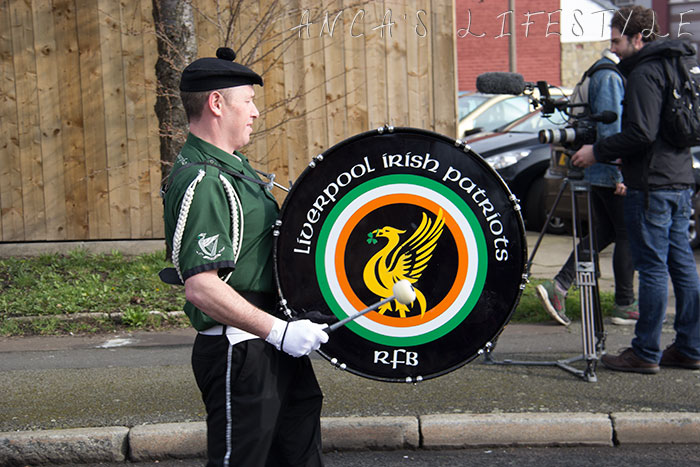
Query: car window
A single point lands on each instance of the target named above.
(468, 103)
(502, 112)
(535, 122)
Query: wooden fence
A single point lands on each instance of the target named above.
(79, 143)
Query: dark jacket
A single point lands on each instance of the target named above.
(648, 160)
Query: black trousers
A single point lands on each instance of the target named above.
(609, 226)
(263, 406)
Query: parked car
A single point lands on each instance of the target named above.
(521, 160)
(486, 112)
(479, 112)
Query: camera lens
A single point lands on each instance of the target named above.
(561, 136)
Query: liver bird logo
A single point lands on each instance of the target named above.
(399, 260)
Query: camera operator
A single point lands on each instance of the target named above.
(657, 206)
(605, 93)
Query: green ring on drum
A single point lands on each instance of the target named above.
(463, 208)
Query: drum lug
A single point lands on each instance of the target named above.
(315, 160)
(488, 347)
(285, 309)
(515, 202)
(388, 128)
(463, 146)
(338, 366)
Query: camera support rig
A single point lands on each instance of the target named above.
(564, 143)
(592, 330)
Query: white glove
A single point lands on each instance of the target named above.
(297, 338)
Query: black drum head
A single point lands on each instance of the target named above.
(402, 204)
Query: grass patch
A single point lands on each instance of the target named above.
(51, 287)
(54, 286)
(530, 309)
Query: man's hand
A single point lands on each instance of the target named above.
(584, 157)
(297, 338)
(620, 189)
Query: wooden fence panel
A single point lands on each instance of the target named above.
(12, 225)
(49, 119)
(375, 62)
(444, 54)
(294, 83)
(71, 113)
(29, 134)
(93, 103)
(117, 162)
(355, 75)
(151, 172)
(334, 45)
(79, 143)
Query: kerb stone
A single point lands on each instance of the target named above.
(168, 440)
(353, 433)
(522, 429)
(655, 428)
(70, 446)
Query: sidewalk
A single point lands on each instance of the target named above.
(71, 400)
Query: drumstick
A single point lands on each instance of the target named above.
(403, 293)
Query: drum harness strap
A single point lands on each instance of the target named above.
(268, 185)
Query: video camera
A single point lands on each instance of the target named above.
(581, 128)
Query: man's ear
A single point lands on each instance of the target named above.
(215, 102)
(637, 41)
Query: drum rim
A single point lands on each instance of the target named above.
(458, 144)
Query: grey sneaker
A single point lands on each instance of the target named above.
(554, 301)
(626, 315)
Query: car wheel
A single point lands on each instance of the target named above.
(557, 226)
(694, 221)
(534, 210)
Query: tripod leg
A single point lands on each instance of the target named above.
(562, 187)
(591, 318)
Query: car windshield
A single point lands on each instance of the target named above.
(502, 112)
(534, 122)
(469, 102)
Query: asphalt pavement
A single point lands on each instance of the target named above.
(107, 398)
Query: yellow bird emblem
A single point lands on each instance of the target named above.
(402, 260)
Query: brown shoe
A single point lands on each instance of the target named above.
(672, 357)
(628, 361)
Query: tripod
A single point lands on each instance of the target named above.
(593, 334)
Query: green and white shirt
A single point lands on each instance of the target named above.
(217, 221)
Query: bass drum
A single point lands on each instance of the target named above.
(402, 203)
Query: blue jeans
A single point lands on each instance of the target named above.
(658, 238)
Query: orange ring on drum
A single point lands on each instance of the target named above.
(403, 198)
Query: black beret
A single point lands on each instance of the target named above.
(207, 74)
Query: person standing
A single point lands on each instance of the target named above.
(657, 207)
(605, 93)
(262, 398)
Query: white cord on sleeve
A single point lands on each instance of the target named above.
(236, 216)
(182, 220)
